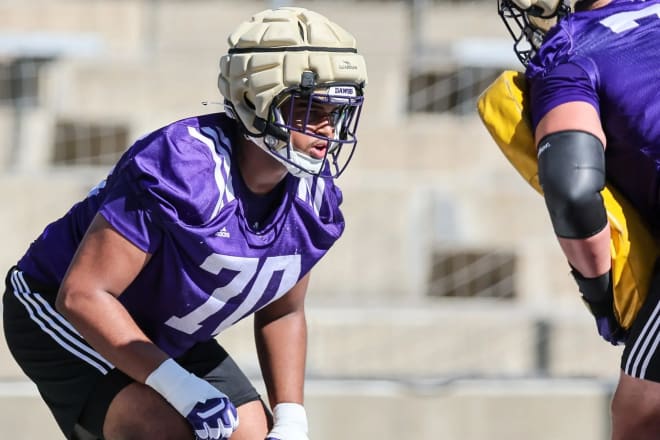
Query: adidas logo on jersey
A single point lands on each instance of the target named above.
(223, 233)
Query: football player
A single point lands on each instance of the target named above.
(591, 69)
(114, 308)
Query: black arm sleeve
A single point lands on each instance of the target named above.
(572, 174)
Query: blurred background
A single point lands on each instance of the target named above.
(445, 312)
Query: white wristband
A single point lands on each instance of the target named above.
(179, 387)
(290, 414)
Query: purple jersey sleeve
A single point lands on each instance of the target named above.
(172, 174)
(123, 210)
(610, 57)
(567, 82)
(606, 57)
(167, 179)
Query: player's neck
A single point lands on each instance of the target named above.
(261, 172)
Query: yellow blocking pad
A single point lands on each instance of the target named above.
(502, 108)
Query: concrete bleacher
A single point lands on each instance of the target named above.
(451, 373)
(385, 361)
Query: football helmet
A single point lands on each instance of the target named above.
(529, 20)
(280, 58)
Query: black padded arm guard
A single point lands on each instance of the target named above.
(596, 290)
(598, 296)
(572, 174)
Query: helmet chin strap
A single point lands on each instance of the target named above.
(311, 165)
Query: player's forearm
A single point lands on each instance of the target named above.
(107, 326)
(282, 350)
(590, 256)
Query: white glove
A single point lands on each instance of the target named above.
(289, 422)
(208, 410)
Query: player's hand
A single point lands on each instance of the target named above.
(608, 327)
(289, 422)
(598, 295)
(216, 418)
(209, 411)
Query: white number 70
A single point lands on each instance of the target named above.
(246, 268)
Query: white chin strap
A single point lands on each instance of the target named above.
(299, 164)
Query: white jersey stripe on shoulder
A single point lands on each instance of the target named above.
(318, 194)
(639, 352)
(221, 172)
(224, 152)
(303, 190)
(305, 187)
(61, 335)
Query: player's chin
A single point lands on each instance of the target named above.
(317, 155)
(317, 151)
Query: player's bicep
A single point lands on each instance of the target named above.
(566, 98)
(105, 261)
(575, 115)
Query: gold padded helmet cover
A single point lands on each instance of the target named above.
(251, 80)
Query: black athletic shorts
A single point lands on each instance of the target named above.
(76, 383)
(641, 356)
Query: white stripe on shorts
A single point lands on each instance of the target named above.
(54, 324)
(645, 346)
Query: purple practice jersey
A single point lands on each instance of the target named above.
(610, 58)
(177, 194)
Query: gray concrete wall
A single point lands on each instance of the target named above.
(371, 409)
(464, 373)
